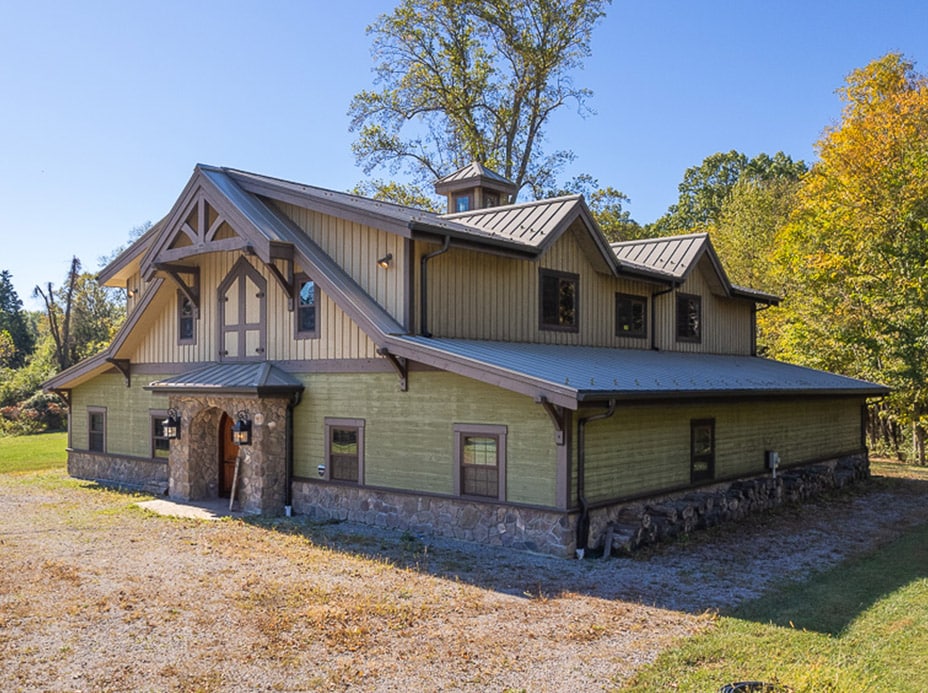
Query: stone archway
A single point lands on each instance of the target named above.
(193, 472)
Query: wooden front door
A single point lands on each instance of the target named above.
(228, 453)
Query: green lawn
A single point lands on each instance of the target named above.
(862, 626)
(33, 453)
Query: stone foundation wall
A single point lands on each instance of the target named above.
(631, 526)
(525, 529)
(119, 470)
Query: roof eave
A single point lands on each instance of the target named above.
(651, 395)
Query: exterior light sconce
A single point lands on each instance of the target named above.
(133, 293)
(385, 261)
(171, 425)
(241, 429)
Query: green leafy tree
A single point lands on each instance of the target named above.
(705, 188)
(472, 80)
(606, 205)
(855, 258)
(13, 322)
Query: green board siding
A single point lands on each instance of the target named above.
(644, 449)
(127, 413)
(409, 436)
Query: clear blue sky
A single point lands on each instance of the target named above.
(108, 105)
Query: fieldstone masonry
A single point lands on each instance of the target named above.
(525, 529)
(137, 473)
(631, 526)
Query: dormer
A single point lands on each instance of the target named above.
(474, 187)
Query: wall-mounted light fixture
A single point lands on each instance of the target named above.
(171, 425)
(385, 261)
(241, 429)
(133, 293)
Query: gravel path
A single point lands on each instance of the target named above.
(99, 595)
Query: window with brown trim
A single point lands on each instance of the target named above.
(160, 446)
(96, 429)
(462, 203)
(559, 292)
(305, 308)
(689, 318)
(480, 461)
(344, 450)
(186, 320)
(702, 449)
(631, 315)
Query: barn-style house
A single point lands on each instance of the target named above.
(499, 373)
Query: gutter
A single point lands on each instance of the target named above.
(423, 285)
(288, 481)
(583, 522)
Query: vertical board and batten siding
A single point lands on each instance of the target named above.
(128, 422)
(646, 448)
(727, 326)
(339, 337)
(356, 248)
(409, 436)
(473, 295)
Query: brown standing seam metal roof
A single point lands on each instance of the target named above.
(258, 378)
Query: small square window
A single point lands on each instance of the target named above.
(462, 203)
(631, 316)
(689, 318)
(490, 199)
(305, 307)
(559, 301)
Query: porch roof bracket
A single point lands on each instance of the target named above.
(191, 292)
(557, 418)
(123, 366)
(400, 365)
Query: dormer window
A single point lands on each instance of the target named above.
(558, 305)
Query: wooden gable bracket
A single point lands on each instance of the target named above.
(400, 365)
(286, 281)
(190, 291)
(123, 366)
(558, 418)
(65, 395)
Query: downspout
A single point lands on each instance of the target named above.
(423, 291)
(673, 286)
(754, 311)
(583, 522)
(288, 482)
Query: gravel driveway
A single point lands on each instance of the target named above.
(99, 595)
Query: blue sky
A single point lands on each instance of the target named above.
(108, 105)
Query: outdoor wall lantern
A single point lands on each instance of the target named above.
(171, 425)
(241, 430)
(385, 261)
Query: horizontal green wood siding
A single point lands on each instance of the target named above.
(409, 436)
(127, 412)
(646, 448)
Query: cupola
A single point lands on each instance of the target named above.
(474, 187)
